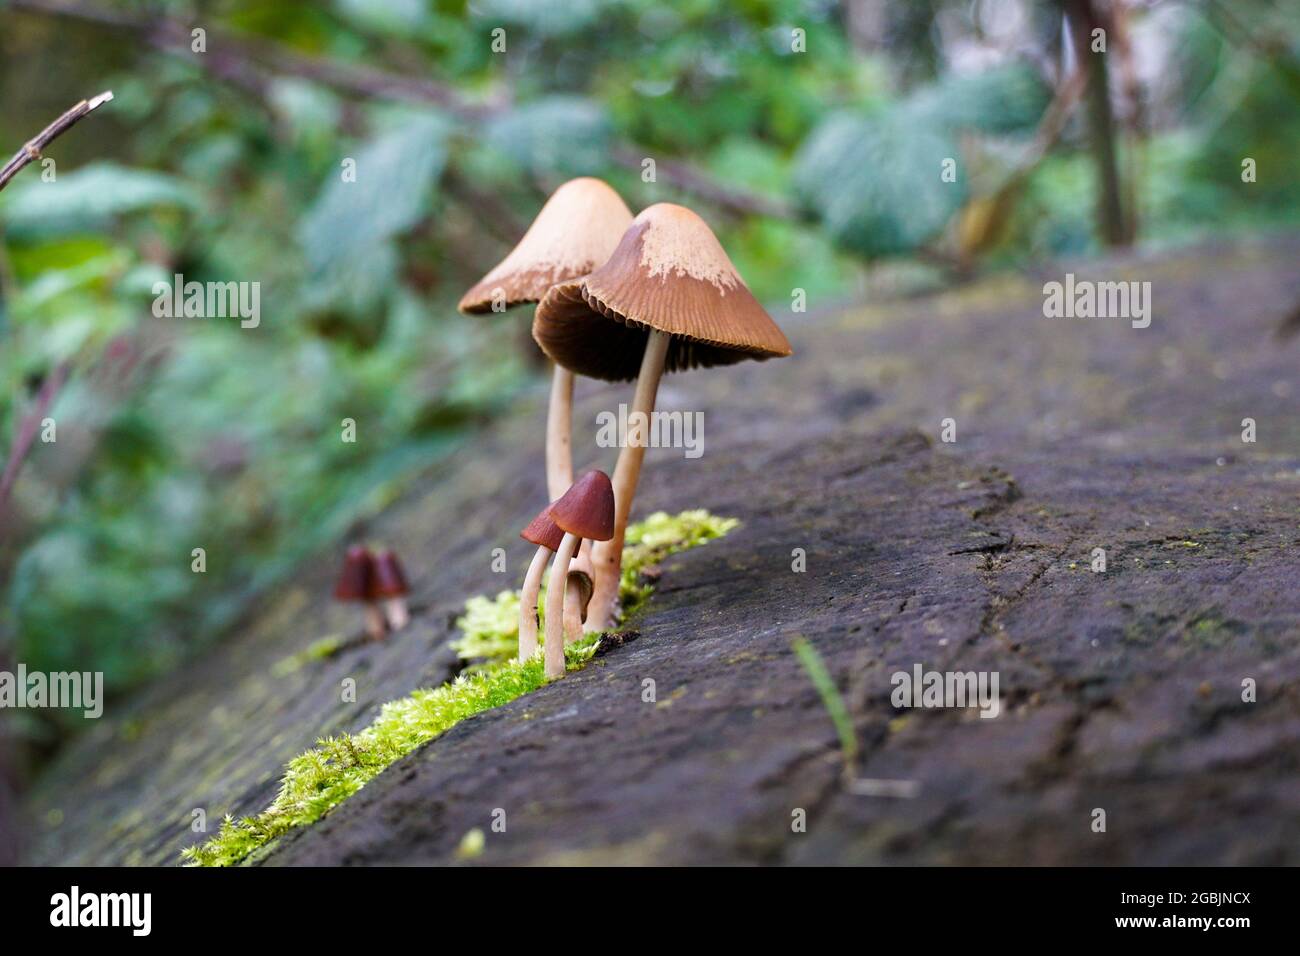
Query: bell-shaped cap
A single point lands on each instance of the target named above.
(355, 580)
(389, 579)
(668, 273)
(587, 508)
(575, 232)
(543, 531)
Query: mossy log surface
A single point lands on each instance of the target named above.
(1120, 690)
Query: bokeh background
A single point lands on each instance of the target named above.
(815, 156)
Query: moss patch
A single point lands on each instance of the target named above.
(320, 650)
(490, 627)
(317, 781)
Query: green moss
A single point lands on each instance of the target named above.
(490, 628)
(654, 539)
(317, 781)
(319, 650)
(337, 767)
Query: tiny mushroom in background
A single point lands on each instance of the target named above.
(355, 583)
(388, 584)
(668, 299)
(584, 511)
(544, 533)
(580, 225)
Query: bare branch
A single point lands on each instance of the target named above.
(246, 62)
(691, 180)
(228, 54)
(32, 149)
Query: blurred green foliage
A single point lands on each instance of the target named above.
(182, 433)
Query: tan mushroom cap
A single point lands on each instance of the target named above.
(575, 232)
(668, 273)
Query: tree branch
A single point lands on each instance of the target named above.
(691, 180)
(246, 61)
(32, 150)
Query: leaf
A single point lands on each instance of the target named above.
(874, 182)
(1007, 99)
(397, 17)
(830, 694)
(558, 135)
(394, 175)
(90, 198)
(357, 281)
(545, 18)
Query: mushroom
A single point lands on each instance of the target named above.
(668, 299)
(584, 511)
(388, 584)
(355, 583)
(544, 533)
(575, 232)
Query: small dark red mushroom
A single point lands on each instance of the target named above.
(544, 533)
(389, 586)
(355, 583)
(586, 510)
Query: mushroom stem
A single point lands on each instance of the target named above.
(574, 609)
(375, 626)
(607, 556)
(559, 429)
(397, 613)
(528, 604)
(555, 600)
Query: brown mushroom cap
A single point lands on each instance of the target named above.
(389, 580)
(354, 581)
(575, 232)
(543, 531)
(587, 508)
(668, 273)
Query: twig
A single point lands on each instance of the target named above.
(229, 55)
(246, 61)
(691, 180)
(32, 150)
(961, 266)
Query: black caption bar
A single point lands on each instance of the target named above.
(338, 906)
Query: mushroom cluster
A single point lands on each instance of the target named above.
(583, 513)
(618, 299)
(576, 231)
